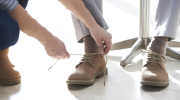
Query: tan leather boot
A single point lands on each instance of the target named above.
(90, 67)
(154, 72)
(8, 74)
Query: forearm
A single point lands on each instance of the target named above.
(78, 8)
(30, 26)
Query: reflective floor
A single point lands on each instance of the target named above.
(122, 83)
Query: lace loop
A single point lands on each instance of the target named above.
(87, 58)
(155, 57)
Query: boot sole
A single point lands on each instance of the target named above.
(88, 82)
(9, 82)
(160, 84)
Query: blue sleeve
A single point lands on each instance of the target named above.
(8, 5)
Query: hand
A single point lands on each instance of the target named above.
(56, 49)
(102, 38)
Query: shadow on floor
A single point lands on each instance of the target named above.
(7, 91)
(77, 87)
(152, 88)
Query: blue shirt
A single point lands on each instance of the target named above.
(8, 5)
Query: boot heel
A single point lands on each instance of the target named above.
(101, 74)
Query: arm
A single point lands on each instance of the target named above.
(78, 8)
(30, 26)
(27, 23)
(54, 47)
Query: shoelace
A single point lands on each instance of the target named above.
(155, 57)
(86, 58)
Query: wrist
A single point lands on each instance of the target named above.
(94, 28)
(44, 36)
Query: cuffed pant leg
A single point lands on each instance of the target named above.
(95, 8)
(9, 30)
(167, 18)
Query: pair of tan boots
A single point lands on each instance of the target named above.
(90, 67)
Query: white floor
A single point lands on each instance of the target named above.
(122, 83)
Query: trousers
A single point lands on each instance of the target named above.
(9, 28)
(95, 8)
(167, 18)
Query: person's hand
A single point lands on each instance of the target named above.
(102, 38)
(56, 49)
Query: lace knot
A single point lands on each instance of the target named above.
(87, 58)
(154, 57)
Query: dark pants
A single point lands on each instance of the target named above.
(9, 28)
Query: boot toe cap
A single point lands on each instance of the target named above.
(79, 76)
(9, 73)
(153, 77)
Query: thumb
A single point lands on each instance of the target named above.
(100, 45)
(67, 55)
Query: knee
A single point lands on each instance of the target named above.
(15, 33)
(9, 32)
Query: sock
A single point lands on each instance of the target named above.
(90, 45)
(158, 45)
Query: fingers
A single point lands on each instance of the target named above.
(107, 46)
(53, 57)
(107, 49)
(57, 57)
(56, 49)
(108, 43)
(101, 47)
(104, 46)
(61, 56)
(67, 55)
(103, 41)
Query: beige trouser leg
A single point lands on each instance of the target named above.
(168, 18)
(95, 7)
